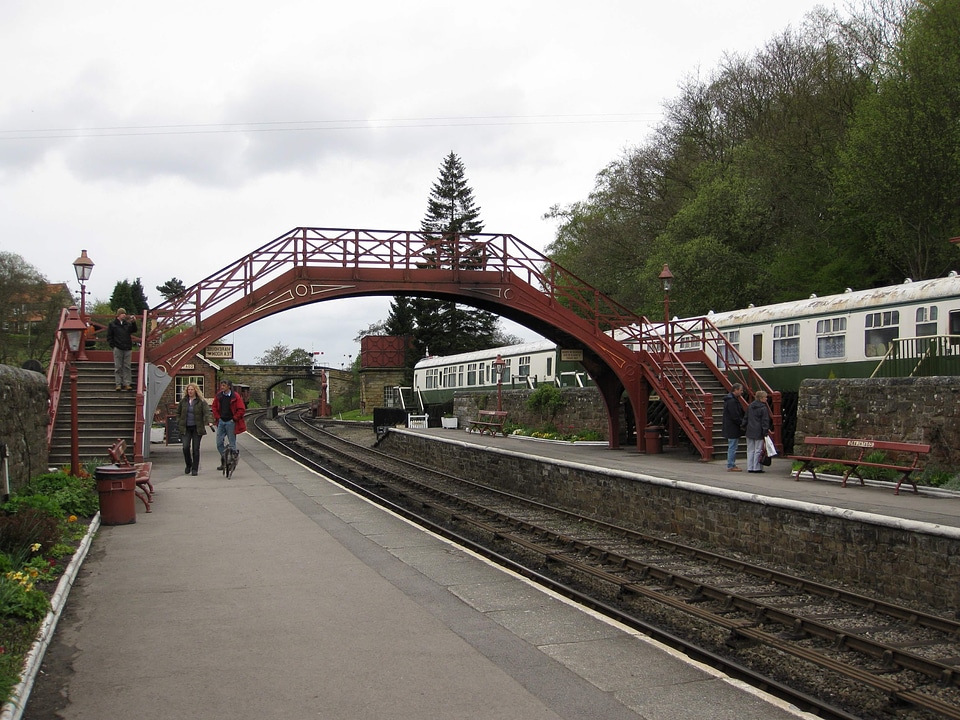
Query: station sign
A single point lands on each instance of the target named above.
(219, 351)
(571, 355)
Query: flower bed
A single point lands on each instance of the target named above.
(45, 529)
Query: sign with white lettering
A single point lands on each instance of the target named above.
(571, 355)
(220, 351)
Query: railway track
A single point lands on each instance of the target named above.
(833, 652)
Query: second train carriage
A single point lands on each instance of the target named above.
(436, 379)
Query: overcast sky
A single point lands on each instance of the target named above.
(169, 139)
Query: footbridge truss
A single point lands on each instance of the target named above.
(493, 272)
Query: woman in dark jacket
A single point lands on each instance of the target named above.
(193, 416)
(757, 425)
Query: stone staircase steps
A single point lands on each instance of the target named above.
(103, 415)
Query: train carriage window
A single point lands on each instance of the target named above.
(881, 329)
(758, 347)
(953, 327)
(927, 321)
(459, 375)
(786, 343)
(449, 377)
(432, 378)
(523, 366)
(472, 374)
(729, 349)
(549, 368)
(831, 338)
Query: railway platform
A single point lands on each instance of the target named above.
(277, 594)
(931, 506)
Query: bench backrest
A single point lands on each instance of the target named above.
(492, 413)
(858, 444)
(118, 452)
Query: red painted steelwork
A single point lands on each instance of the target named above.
(490, 271)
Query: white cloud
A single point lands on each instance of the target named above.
(170, 140)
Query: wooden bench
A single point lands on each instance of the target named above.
(144, 488)
(490, 421)
(852, 455)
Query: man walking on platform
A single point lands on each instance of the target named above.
(228, 412)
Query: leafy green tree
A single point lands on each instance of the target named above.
(30, 310)
(275, 355)
(172, 288)
(299, 356)
(900, 166)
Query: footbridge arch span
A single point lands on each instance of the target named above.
(494, 272)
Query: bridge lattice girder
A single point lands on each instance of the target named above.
(492, 272)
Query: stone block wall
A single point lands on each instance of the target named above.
(23, 422)
(582, 409)
(920, 410)
(886, 559)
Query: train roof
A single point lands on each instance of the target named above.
(893, 295)
(477, 355)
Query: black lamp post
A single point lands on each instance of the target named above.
(499, 365)
(72, 331)
(83, 266)
(666, 279)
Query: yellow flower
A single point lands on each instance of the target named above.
(35, 547)
(72, 518)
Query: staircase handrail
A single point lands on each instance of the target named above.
(679, 390)
(55, 374)
(139, 422)
(712, 342)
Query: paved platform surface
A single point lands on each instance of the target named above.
(276, 594)
(934, 507)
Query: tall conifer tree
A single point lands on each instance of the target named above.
(443, 327)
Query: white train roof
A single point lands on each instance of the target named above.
(477, 355)
(906, 293)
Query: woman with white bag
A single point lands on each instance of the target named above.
(757, 424)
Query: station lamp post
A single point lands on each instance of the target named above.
(499, 365)
(666, 280)
(83, 266)
(72, 331)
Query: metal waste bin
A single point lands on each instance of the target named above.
(117, 487)
(652, 439)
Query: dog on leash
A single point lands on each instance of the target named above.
(230, 458)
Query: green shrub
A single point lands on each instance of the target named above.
(546, 400)
(21, 531)
(19, 598)
(74, 495)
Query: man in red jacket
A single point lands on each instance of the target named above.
(228, 412)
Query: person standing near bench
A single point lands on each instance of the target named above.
(193, 416)
(757, 424)
(120, 337)
(732, 420)
(228, 412)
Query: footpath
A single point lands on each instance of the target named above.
(276, 594)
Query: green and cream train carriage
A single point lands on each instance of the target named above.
(900, 330)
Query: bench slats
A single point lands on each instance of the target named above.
(861, 446)
(490, 421)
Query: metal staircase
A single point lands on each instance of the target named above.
(103, 414)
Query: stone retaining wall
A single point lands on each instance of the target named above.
(23, 422)
(918, 410)
(875, 555)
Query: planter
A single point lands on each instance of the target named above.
(451, 423)
(156, 434)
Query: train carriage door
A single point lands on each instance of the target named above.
(926, 326)
(758, 347)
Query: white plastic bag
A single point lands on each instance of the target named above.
(770, 447)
